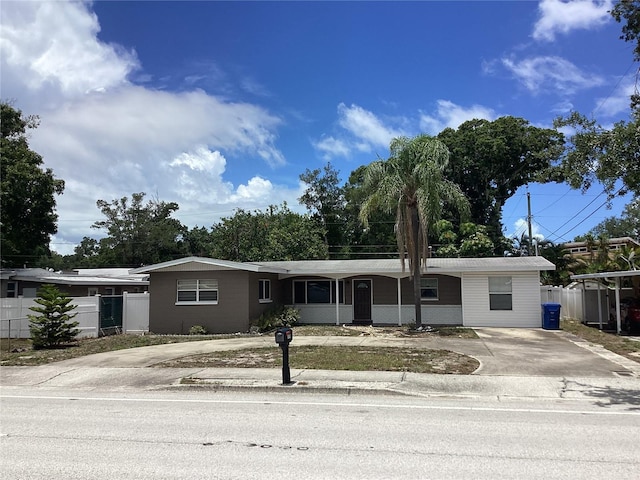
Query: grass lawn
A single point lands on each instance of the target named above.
(612, 342)
(20, 351)
(337, 358)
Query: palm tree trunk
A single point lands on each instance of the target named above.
(415, 267)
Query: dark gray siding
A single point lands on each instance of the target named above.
(230, 315)
(385, 291)
(256, 308)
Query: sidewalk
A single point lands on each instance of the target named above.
(515, 363)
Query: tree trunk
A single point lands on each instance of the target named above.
(415, 267)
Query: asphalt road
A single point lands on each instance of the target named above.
(74, 434)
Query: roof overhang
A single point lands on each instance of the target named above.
(205, 264)
(346, 268)
(81, 280)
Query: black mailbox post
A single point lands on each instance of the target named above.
(284, 335)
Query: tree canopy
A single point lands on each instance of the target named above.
(597, 155)
(277, 234)
(378, 238)
(490, 160)
(27, 193)
(627, 12)
(138, 234)
(324, 199)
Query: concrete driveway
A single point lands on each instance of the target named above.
(537, 352)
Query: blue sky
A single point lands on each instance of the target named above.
(222, 105)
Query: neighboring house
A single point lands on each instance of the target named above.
(25, 282)
(226, 296)
(581, 249)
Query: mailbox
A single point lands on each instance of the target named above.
(284, 335)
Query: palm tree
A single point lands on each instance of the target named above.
(411, 183)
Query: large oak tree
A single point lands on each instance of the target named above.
(27, 193)
(490, 160)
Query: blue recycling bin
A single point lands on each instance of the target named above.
(551, 316)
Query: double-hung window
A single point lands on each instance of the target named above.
(500, 294)
(264, 291)
(197, 291)
(428, 289)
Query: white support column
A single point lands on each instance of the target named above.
(583, 303)
(337, 301)
(124, 311)
(619, 323)
(399, 304)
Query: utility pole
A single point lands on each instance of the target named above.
(529, 222)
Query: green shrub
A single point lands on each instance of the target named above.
(198, 330)
(280, 316)
(53, 326)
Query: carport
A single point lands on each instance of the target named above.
(616, 279)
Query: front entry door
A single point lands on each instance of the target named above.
(361, 301)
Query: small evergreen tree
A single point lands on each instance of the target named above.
(53, 326)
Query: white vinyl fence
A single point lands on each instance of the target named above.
(570, 300)
(14, 320)
(135, 313)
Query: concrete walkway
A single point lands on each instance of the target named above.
(514, 363)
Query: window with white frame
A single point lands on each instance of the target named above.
(264, 290)
(12, 289)
(317, 291)
(428, 289)
(197, 291)
(500, 293)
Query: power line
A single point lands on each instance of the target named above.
(587, 217)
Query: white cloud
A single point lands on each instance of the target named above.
(54, 47)
(450, 115)
(561, 16)
(563, 107)
(332, 147)
(616, 103)
(363, 131)
(108, 138)
(366, 127)
(257, 189)
(551, 73)
(521, 227)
